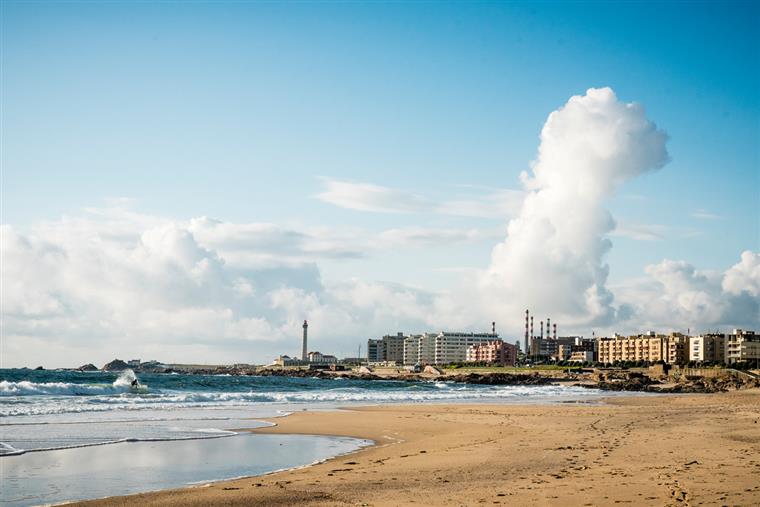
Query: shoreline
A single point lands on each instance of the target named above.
(635, 449)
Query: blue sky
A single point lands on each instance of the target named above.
(245, 111)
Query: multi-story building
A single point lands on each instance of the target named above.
(678, 348)
(394, 348)
(552, 348)
(389, 348)
(419, 349)
(452, 347)
(442, 348)
(707, 347)
(742, 346)
(375, 351)
(493, 352)
(543, 347)
(583, 350)
(650, 347)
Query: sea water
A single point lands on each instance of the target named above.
(63, 427)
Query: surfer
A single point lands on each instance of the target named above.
(135, 383)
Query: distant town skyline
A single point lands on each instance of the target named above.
(191, 181)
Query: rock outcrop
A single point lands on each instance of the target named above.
(501, 379)
(87, 367)
(116, 365)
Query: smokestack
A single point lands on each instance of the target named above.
(531, 327)
(542, 329)
(526, 330)
(493, 327)
(554, 331)
(304, 353)
(548, 328)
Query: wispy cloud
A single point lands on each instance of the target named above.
(495, 203)
(423, 236)
(641, 232)
(652, 232)
(704, 214)
(369, 197)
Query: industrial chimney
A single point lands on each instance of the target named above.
(493, 327)
(526, 330)
(304, 353)
(542, 329)
(554, 331)
(548, 328)
(531, 327)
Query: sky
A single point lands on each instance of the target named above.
(189, 181)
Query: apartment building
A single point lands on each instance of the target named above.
(389, 348)
(495, 352)
(742, 346)
(650, 347)
(707, 347)
(442, 348)
(375, 351)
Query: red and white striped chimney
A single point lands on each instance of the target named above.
(554, 331)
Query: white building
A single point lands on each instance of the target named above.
(419, 349)
(442, 348)
(319, 358)
(707, 347)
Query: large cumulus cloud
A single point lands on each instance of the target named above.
(553, 256)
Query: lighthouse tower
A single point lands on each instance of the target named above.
(304, 351)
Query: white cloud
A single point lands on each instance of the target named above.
(552, 259)
(652, 232)
(744, 276)
(424, 236)
(703, 214)
(675, 295)
(488, 203)
(369, 197)
(112, 283)
(640, 232)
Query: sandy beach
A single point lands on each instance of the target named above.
(638, 450)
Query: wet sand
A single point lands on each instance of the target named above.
(638, 450)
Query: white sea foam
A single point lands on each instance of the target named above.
(113, 398)
(122, 384)
(26, 388)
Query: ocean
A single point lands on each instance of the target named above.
(68, 435)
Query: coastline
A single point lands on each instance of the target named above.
(641, 450)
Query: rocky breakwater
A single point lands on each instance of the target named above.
(273, 372)
(636, 381)
(502, 379)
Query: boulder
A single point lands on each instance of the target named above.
(88, 367)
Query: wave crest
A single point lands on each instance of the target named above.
(26, 388)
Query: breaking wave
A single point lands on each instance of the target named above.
(123, 384)
(115, 398)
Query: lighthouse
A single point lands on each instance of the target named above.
(304, 351)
